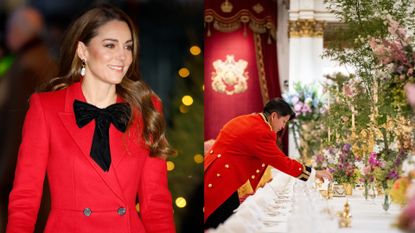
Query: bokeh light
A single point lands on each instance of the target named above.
(187, 100)
(181, 202)
(184, 72)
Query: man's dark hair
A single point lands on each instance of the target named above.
(279, 106)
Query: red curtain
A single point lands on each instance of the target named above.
(246, 30)
(221, 107)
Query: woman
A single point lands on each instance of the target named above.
(99, 138)
(242, 151)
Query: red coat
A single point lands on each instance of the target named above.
(242, 150)
(84, 198)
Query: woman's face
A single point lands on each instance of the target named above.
(108, 55)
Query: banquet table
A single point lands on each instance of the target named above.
(288, 205)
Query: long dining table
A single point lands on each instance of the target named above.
(289, 205)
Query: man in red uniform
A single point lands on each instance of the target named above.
(241, 152)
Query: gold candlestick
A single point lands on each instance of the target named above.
(345, 217)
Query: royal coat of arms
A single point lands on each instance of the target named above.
(230, 76)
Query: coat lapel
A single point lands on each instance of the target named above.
(83, 138)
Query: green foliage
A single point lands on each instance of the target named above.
(186, 136)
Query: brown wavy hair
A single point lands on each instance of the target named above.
(132, 89)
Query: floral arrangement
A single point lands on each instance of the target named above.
(306, 101)
(396, 56)
(341, 163)
(390, 170)
(319, 162)
(367, 171)
(308, 105)
(395, 53)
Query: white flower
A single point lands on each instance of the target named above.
(360, 165)
(378, 148)
(294, 99)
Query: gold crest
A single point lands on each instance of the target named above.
(230, 76)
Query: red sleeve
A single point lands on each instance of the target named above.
(31, 166)
(265, 147)
(154, 197)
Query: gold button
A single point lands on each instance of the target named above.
(210, 185)
(299, 169)
(227, 165)
(211, 151)
(257, 170)
(219, 155)
(252, 177)
(218, 174)
(263, 165)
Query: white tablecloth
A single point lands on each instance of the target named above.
(288, 205)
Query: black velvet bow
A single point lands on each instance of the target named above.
(117, 114)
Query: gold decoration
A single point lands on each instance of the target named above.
(345, 218)
(338, 190)
(348, 189)
(226, 6)
(306, 28)
(230, 76)
(245, 190)
(266, 177)
(234, 22)
(258, 8)
(261, 69)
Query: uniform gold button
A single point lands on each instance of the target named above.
(252, 177)
(227, 165)
(263, 165)
(299, 169)
(219, 155)
(211, 151)
(218, 174)
(257, 171)
(210, 185)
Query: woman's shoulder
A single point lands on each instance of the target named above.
(52, 100)
(51, 95)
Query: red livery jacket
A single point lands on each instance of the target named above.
(241, 152)
(84, 198)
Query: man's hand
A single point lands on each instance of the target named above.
(323, 174)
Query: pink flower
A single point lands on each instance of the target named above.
(298, 106)
(410, 71)
(305, 109)
(373, 160)
(348, 91)
(367, 169)
(410, 93)
(295, 99)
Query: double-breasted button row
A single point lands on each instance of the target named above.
(210, 185)
(120, 211)
(257, 171)
(87, 212)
